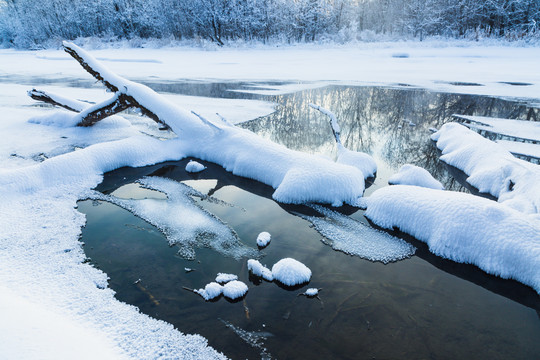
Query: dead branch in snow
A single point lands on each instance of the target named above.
(333, 121)
(91, 115)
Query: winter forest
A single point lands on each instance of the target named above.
(34, 24)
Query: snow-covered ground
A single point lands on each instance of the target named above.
(41, 260)
(459, 67)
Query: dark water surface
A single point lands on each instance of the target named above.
(423, 307)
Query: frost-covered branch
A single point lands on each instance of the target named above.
(114, 105)
(333, 121)
(119, 102)
(360, 160)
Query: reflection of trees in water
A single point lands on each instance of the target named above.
(379, 121)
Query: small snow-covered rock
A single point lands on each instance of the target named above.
(194, 167)
(210, 291)
(291, 272)
(263, 239)
(259, 269)
(225, 278)
(234, 289)
(413, 175)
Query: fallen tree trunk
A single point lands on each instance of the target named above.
(297, 177)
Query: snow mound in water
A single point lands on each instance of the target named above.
(464, 228)
(414, 175)
(234, 289)
(210, 291)
(263, 239)
(259, 270)
(355, 238)
(194, 167)
(225, 278)
(291, 272)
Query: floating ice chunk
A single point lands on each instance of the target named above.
(259, 269)
(353, 237)
(291, 272)
(194, 167)
(210, 291)
(225, 278)
(263, 239)
(463, 228)
(183, 222)
(415, 175)
(254, 339)
(234, 289)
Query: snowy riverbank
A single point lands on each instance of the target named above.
(41, 259)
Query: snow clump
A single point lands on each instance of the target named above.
(263, 239)
(234, 289)
(414, 175)
(194, 167)
(210, 291)
(225, 278)
(291, 272)
(362, 161)
(258, 269)
(311, 292)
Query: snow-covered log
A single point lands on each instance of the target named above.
(463, 228)
(297, 177)
(490, 167)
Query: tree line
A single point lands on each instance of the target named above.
(29, 23)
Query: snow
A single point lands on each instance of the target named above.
(31, 331)
(234, 289)
(194, 167)
(463, 228)
(491, 168)
(223, 278)
(433, 65)
(352, 237)
(362, 161)
(410, 174)
(516, 128)
(311, 292)
(291, 272)
(210, 291)
(519, 148)
(258, 269)
(47, 165)
(263, 239)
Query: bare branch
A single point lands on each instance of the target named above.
(57, 100)
(333, 121)
(93, 114)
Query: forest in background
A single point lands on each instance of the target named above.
(38, 23)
